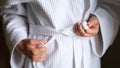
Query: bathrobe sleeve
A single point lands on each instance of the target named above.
(13, 2)
(107, 13)
(15, 29)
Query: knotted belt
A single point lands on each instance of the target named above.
(44, 30)
(68, 32)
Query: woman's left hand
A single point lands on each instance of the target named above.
(93, 25)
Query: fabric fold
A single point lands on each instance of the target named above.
(100, 47)
(4, 3)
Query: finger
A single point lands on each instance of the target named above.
(80, 29)
(40, 60)
(92, 24)
(93, 21)
(29, 47)
(37, 51)
(92, 31)
(76, 29)
(36, 42)
(23, 51)
(42, 55)
(25, 46)
(39, 57)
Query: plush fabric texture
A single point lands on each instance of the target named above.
(53, 20)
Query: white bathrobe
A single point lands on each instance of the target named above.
(53, 20)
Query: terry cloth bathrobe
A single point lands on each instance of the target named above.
(53, 20)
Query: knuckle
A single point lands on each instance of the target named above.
(87, 31)
(34, 52)
(44, 53)
(29, 41)
(83, 34)
(42, 59)
(43, 48)
(27, 47)
(30, 47)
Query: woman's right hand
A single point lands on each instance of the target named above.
(29, 47)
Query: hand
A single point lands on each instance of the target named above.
(93, 25)
(29, 47)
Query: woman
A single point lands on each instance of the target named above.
(50, 34)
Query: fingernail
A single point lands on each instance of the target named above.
(39, 46)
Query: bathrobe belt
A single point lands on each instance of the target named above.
(67, 32)
(43, 30)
